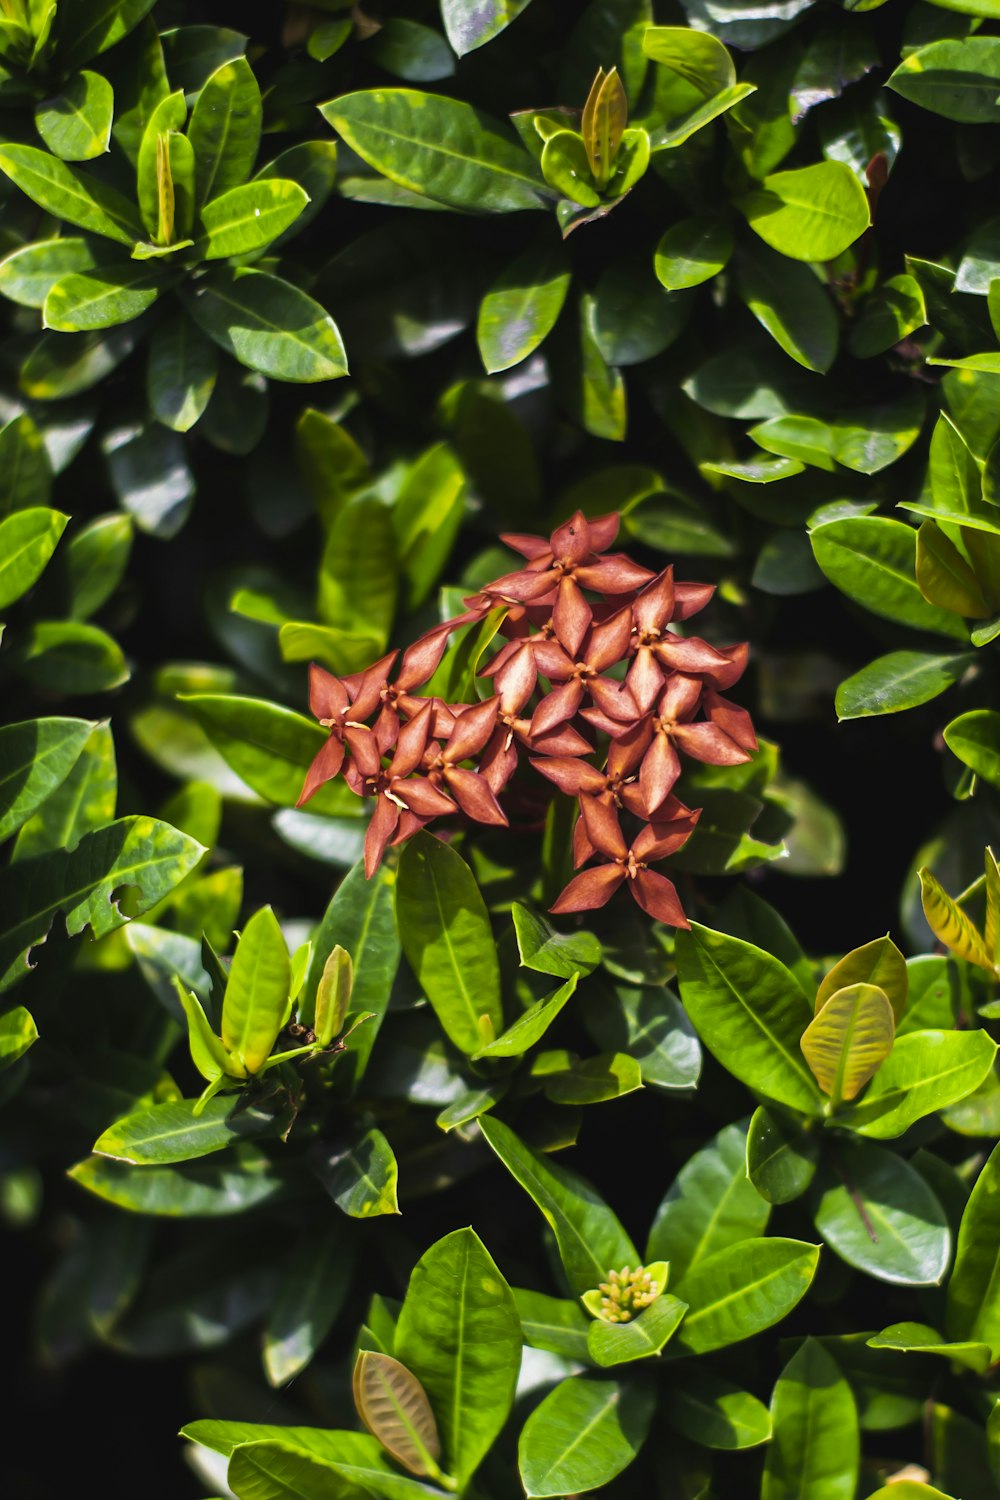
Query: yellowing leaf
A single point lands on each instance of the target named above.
(944, 577)
(850, 1038)
(394, 1407)
(604, 118)
(949, 923)
(879, 963)
(992, 907)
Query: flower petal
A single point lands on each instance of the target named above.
(328, 696)
(654, 608)
(661, 767)
(474, 796)
(472, 730)
(689, 654)
(423, 797)
(681, 698)
(422, 659)
(661, 839)
(571, 616)
(590, 890)
(658, 897)
(532, 547)
(710, 744)
(616, 574)
(723, 677)
(645, 678)
(364, 748)
(556, 707)
(366, 687)
(326, 764)
(562, 741)
(380, 831)
(691, 598)
(608, 642)
(412, 742)
(574, 777)
(735, 721)
(614, 699)
(571, 542)
(603, 530)
(603, 827)
(499, 761)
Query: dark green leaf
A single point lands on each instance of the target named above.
(814, 1453)
(880, 1216)
(268, 324)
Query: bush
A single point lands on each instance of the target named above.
(351, 1109)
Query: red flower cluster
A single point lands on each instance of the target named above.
(573, 613)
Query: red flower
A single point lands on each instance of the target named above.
(653, 892)
(470, 733)
(658, 651)
(395, 788)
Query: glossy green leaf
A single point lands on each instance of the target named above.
(944, 577)
(83, 800)
(445, 932)
(225, 130)
(358, 577)
(18, 1032)
(28, 539)
(249, 217)
(781, 1157)
(893, 311)
(181, 373)
(872, 559)
(594, 1080)
(900, 680)
(750, 1013)
(710, 1206)
(268, 325)
(440, 147)
(137, 852)
(426, 517)
(918, 1338)
(591, 1241)
(68, 657)
(715, 1413)
(974, 738)
(814, 1452)
(85, 31)
(973, 1306)
(880, 1216)
(76, 124)
(848, 1040)
(468, 29)
(810, 213)
(692, 252)
(27, 274)
(104, 297)
(172, 1132)
(256, 999)
(742, 1289)
(313, 1288)
(548, 951)
(959, 79)
(71, 195)
(459, 1333)
(521, 307)
(530, 1028)
(362, 1177)
(927, 1072)
(207, 1190)
(788, 301)
(647, 1334)
(582, 1435)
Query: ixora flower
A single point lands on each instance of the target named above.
(626, 1292)
(589, 679)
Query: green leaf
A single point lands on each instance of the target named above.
(975, 739)
(553, 1323)
(879, 963)
(530, 1027)
(249, 217)
(927, 1071)
(76, 124)
(18, 1032)
(28, 539)
(959, 79)
(848, 1040)
(692, 252)
(25, 470)
(944, 577)
(71, 195)
(225, 130)
(893, 311)
(710, 1206)
(521, 307)
(872, 559)
(880, 1216)
(137, 852)
(815, 1451)
(582, 1435)
(653, 1027)
(313, 1288)
(345, 1464)
(85, 799)
(445, 932)
(268, 325)
(104, 297)
(257, 991)
(750, 1012)
(59, 367)
(566, 168)
(269, 747)
(713, 1412)
(973, 1307)
(27, 274)
(810, 213)
(440, 147)
(918, 1338)
(741, 1290)
(358, 574)
(68, 657)
(468, 28)
(426, 516)
(173, 1132)
(594, 1080)
(591, 1241)
(901, 680)
(86, 30)
(620, 1343)
(362, 1178)
(459, 1333)
(951, 924)
(93, 563)
(181, 373)
(208, 1190)
(789, 302)
(781, 1156)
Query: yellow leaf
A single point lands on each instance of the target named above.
(992, 907)
(605, 116)
(879, 963)
(394, 1407)
(849, 1040)
(951, 926)
(944, 577)
(164, 191)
